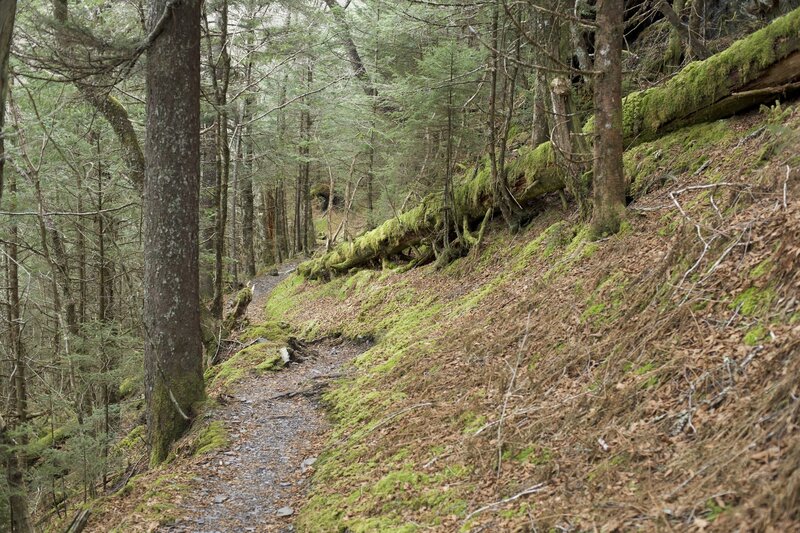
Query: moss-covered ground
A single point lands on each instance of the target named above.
(631, 381)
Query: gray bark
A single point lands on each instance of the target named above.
(173, 350)
(609, 179)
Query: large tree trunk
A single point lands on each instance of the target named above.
(173, 350)
(609, 180)
(346, 39)
(248, 212)
(752, 71)
(247, 195)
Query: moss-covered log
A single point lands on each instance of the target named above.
(754, 70)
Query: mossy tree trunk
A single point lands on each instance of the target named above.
(173, 350)
(752, 71)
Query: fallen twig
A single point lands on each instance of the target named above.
(786, 187)
(509, 392)
(303, 392)
(530, 490)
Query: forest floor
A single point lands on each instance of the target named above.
(274, 428)
(647, 381)
(545, 382)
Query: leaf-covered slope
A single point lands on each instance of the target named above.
(645, 381)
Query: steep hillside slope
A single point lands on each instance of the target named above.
(646, 381)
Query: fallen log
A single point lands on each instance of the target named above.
(750, 72)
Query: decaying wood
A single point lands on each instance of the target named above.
(240, 304)
(79, 522)
(752, 71)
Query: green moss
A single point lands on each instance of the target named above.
(134, 439)
(382, 505)
(272, 363)
(647, 368)
(471, 423)
(260, 357)
(754, 301)
(669, 224)
(158, 502)
(521, 510)
(714, 510)
(605, 302)
(310, 330)
(760, 270)
(755, 335)
(271, 330)
(357, 282)
(212, 437)
(650, 165)
(474, 298)
(57, 436)
(593, 311)
(283, 298)
(625, 228)
(554, 237)
(534, 455)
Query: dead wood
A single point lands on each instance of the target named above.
(752, 71)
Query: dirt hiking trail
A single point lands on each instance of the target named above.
(276, 428)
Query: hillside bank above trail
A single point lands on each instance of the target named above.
(648, 380)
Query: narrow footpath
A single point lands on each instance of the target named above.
(276, 430)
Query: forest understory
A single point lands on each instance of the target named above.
(648, 380)
(415, 265)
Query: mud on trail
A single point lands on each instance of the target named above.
(276, 428)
